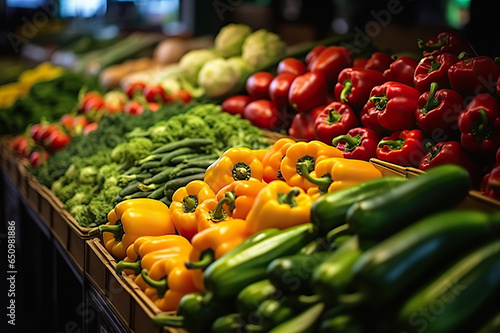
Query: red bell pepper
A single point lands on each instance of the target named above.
(308, 91)
(302, 126)
(445, 42)
(474, 76)
(402, 70)
(479, 125)
(360, 62)
(335, 119)
(497, 88)
(369, 119)
(331, 60)
(394, 104)
(437, 113)
(433, 69)
(355, 84)
(280, 88)
(359, 143)
(490, 185)
(403, 148)
(314, 54)
(448, 152)
(379, 62)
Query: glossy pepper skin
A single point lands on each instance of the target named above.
(301, 157)
(131, 264)
(212, 243)
(402, 70)
(303, 124)
(359, 143)
(379, 62)
(479, 125)
(240, 196)
(490, 185)
(335, 119)
(307, 91)
(210, 212)
(394, 106)
(234, 164)
(331, 61)
(131, 219)
(433, 69)
(445, 42)
(279, 205)
(473, 76)
(333, 174)
(404, 148)
(185, 201)
(272, 160)
(437, 113)
(450, 152)
(355, 84)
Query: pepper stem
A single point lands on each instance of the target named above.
(241, 171)
(346, 90)
(206, 258)
(168, 320)
(231, 200)
(433, 46)
(351, 142)
(218, 213)
(432, 102)
(133, 265)
(115, 229)
(333, 117)
(482, 131)
(160, 286)
(393, 144)
(323, 182)
(189, 203)
(431, 149)
(288, 198)
(379, 101)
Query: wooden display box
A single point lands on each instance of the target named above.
(124, 296)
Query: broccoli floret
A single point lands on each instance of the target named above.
(66, 192)
(119, 153)
(57, 185)
(106, 172)
(195, 126)
(139, 148)
(88, 175)
(230, 38)
(109, 194)
(82, 215)
(83, 195)
(99, 210)
(111, 181)
(160, 133)
(72, 172)
(262, 48)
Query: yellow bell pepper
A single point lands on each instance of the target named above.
(185, 202)
(279, 205)
(271, 162)
(239, 196)
(234, 164)
(301, 158)
(335, 173)
(131, 219)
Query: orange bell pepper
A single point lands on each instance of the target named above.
(301, 158)
(147, 244)
(240, 196)
(338, 173)
(212, 243)
(131, 219)
(279, 205)
(272, 160)
(211, 212)
(234, 164)
(261, 153)
(185, 202)
(168, 277)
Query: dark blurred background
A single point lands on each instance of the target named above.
(393, 25)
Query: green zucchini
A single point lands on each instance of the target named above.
(188, 142)
(249, 299)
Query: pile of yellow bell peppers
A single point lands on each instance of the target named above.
(165, 249)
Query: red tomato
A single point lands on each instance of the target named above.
(134, 108)
(153, 106)
(67, 121)
(314, 53)
(155, 93)
(114, 101)
(92, 101)
(292, 66)
(37, 158)
(257, 85)
(133, 88)
(57, 141)
(35, 131)
(182, 96)
(308, 91)
(280, 87)
(44, 132)
(262, 113)
(235, 104)
(90, 127)
(80, 121)
(331, 61)
(21, 146)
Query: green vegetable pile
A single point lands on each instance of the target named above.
(47, 100)
(95, 172)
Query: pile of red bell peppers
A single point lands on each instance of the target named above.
(441, 108)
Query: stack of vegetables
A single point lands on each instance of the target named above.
(417, 112)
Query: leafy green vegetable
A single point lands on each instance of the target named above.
(262, 47)
(230, 38)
